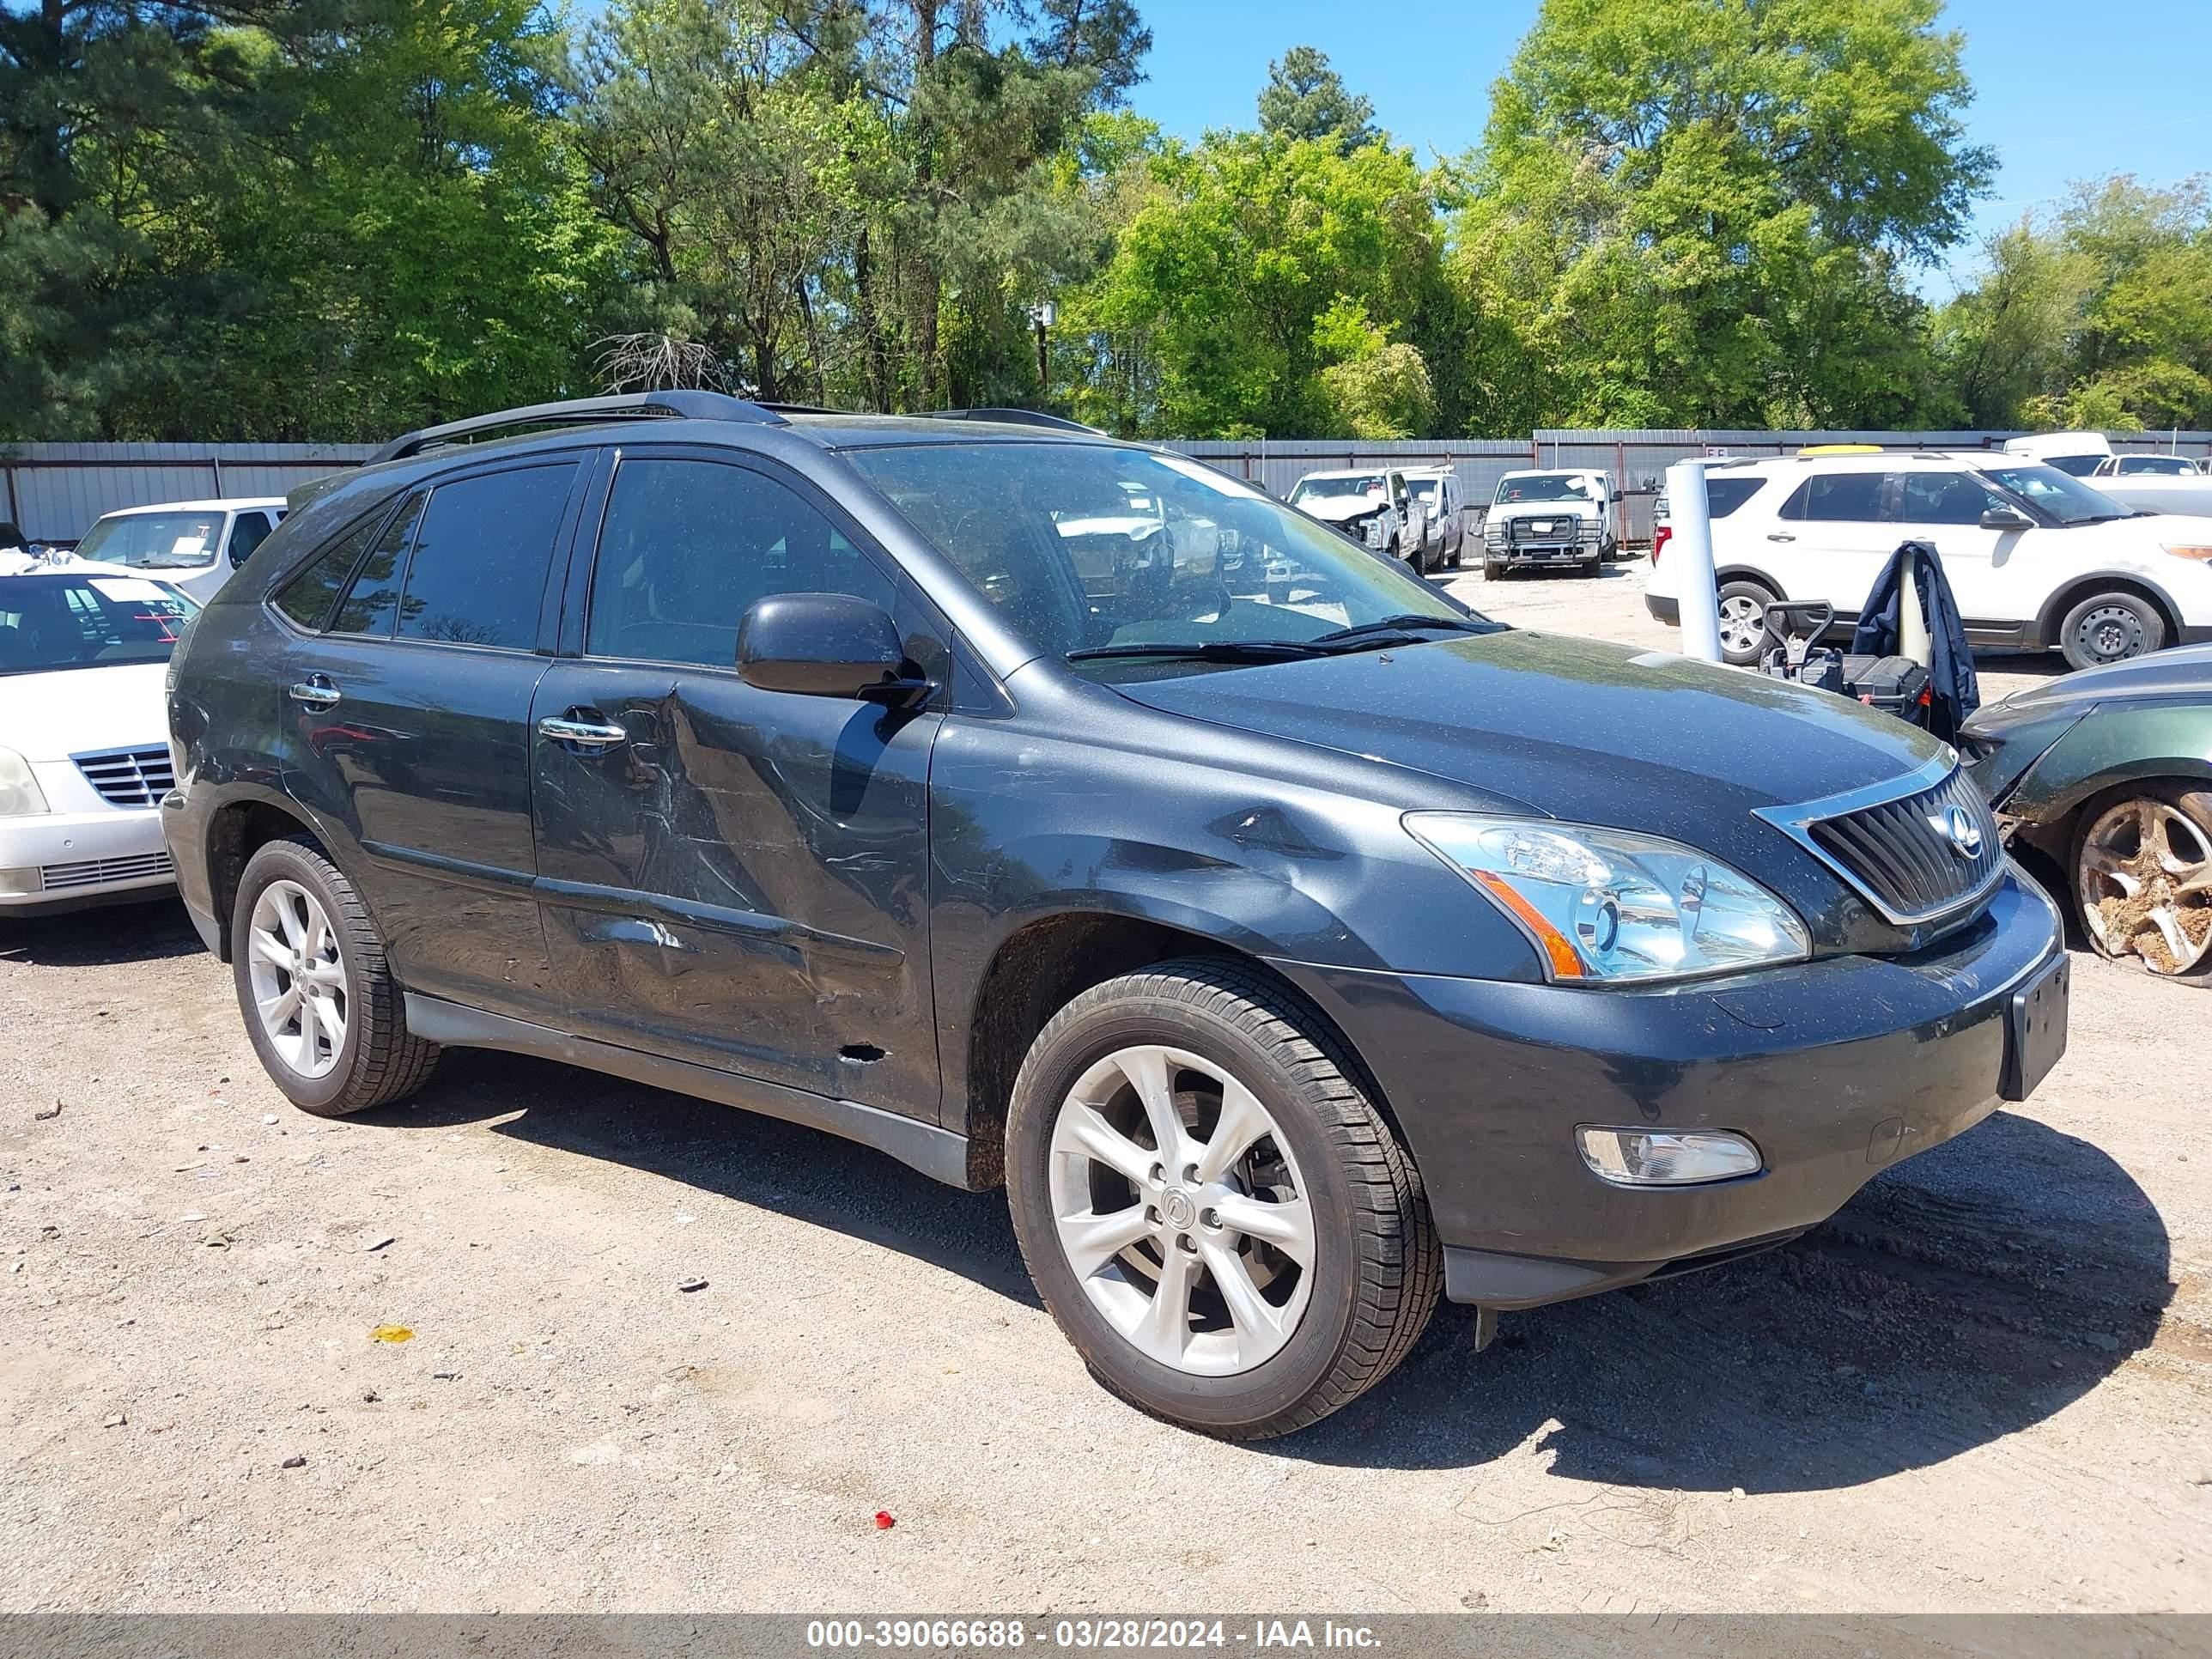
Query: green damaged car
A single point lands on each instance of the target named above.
(2107, 774)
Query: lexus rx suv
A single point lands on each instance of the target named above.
(1293, 944)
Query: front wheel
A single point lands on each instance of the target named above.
(2142, 872)
(1415, 556)
(1212, 1208)
(322, 1010)
(1744, 638)
(2109, 626)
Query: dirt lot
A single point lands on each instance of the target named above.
(1986, 1385)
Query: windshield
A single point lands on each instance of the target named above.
(1543, 487)
(1322, 490)
(2060, 497)
(1043, 532)
(84, 621)
(155, 541)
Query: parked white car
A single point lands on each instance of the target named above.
(194, 545)
(2145, 466)
(1372, 505)
(1552, 516)
(2036, 558)
(2154, 484)
(2076, 453)
(1442, 499)
(84, 734)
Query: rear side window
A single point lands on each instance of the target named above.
(1723, 495)
(308, 598)
(482, 550)
(1838, 497)
(375, 600)
(688, 547)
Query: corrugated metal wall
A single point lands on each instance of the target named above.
(54, 491)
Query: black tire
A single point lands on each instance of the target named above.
(1459, 551)
(1492, 571)
(1416, 556)
(380, 1061)
(1762, 597)
(2109, 626)
(1378, 1269)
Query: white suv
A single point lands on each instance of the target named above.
(194, 545)
(2036, 558)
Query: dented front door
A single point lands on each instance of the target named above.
(730, 876)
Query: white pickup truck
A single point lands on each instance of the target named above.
(1549, 516)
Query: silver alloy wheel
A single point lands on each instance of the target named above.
(2111, 633)
(1743, 623)
(2146, 881)
(1182, 1211)
(298, 979)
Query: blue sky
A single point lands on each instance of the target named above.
(2062, 91)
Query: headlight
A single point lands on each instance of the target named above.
(2185, 552)
(20, 794)
(1604, 906)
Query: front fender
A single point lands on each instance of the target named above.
(2110, 747)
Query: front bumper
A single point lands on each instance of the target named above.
(1532, 556)
(1835, 1069)
(81, 858)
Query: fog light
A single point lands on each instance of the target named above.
(14, 883)
(1665, 1157)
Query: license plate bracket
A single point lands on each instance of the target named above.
(2035, 1030)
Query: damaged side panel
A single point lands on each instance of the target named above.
(741, 882)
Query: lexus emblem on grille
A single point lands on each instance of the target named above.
(1956, 825)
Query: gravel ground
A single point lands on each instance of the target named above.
(1986, 1385)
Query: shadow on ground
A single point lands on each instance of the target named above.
(100, 937)
(1960, 1297)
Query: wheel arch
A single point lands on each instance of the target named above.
(236, 831)
(2078, 588)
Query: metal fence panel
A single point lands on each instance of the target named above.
(54, 491)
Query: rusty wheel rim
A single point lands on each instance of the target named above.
(2146, 886)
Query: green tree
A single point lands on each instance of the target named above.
(1701, 211)
(1305, 98)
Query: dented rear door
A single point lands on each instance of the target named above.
(740, 878)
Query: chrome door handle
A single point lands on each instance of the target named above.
(1778, 536)
(586, 734)
(315, 692)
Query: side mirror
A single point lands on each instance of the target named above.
(2007, 518)
(827, 645)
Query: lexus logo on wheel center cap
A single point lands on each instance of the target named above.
(1176, 1207)
(1957, 826)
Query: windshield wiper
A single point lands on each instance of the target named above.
(1204, 650)
(1407, 625)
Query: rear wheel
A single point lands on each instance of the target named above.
(1213, 1210)
(2143, 873)
(1744, 638)
(322, 1009)
(2109, 626)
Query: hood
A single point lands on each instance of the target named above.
(2140, 534)
(1341, 509)
(50, 717)
(1576, 729)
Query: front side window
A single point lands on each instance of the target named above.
(1946, 498)
(49, 623)
(155, 541)
(477, 571)
(247, 531)
(1219, 564)
(1838, 498)
(688, 546)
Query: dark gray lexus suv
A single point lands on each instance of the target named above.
(1292, 944)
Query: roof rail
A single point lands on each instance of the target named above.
(1014, 417)
(585, 411)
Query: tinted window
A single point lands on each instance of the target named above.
(1946, 498)
(1724, 495)
(306, 599)
(1837, 497)
(375, 600)
(688, 546)
(481, 554)
(251, 530)
(2075, 466)
(52, 623)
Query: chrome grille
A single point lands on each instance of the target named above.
(1894, 844)
(128, 777)
(56, 878)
